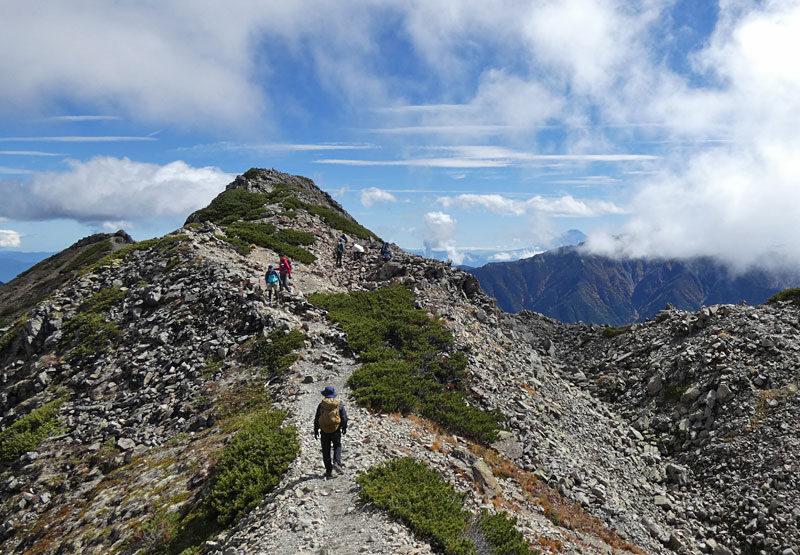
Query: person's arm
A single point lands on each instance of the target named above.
(316, 422)
(343, 418)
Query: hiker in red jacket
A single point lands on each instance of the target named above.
(285, 271)
(331, 419)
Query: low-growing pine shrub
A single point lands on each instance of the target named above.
(264, 235)
(416, 495)
(250, 465)
(294, 237)
(276, 349)
(792, 295)
(26, 433)
(614, 331)
(241, 246)
(337, 221)
(502, 534)
(232, 205)
(411, 364)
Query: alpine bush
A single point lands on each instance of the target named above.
(276, 350)
(416, 495)
(26, 433)
(232, 205)
(249, 466)
(792, 295)
(411, 363)
(337, 221)
(502, 534)
(264, 235)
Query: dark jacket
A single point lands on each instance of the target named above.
(342, 417)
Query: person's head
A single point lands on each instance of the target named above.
(270, 267)
(328, 392)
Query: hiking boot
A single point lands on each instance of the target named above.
(339, 467)
(328, 474)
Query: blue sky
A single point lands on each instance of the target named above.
(657, 127)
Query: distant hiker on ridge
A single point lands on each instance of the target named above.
(386, 254)
(339, 251)
(331, 419)
(272, 278)
(285, 270)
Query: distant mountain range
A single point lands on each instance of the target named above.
(13, 263)
(473, 258)
(571, 285)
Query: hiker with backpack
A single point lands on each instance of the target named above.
(331, 420)
(340, 251)
(272, 278)
(285, 271)
(386, 254)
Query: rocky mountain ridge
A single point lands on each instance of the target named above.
(148, 359)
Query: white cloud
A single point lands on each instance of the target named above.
(374, 194)
(9, 238)
(107, 189)
(28, 153)
(564, 206)
(75, 139)
(79, 118)
(420, 162)
(14, 171)
(439, 232)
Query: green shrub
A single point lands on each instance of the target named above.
(281, 192)
(250, 465)
(252, 173)
(293, 203)
(26, 433)
(294, 237)
(89, 328)
(263, 235)
(416, 495)
(91, 331)
(502, 534)
(89, 256)
(242, 247)
(613, 331)
(791, 295)
(411, 364)
(276, 349)
(337, 221)
(102, 300)
(8, 337)
(232, 205)
(161, 244)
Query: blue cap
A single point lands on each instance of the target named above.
(329, 391)
(270, 267)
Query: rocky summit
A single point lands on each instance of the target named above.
(157, 402)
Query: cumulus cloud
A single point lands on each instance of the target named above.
(439, 232)
(564, 206)
(374, 194)
(9, 238)
(107, 189)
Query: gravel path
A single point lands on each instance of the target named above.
(307, 513)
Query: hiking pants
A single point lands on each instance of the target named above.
(285, 282)
(331, 440)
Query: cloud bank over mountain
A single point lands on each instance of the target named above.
(667, 127)
(112, 191)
